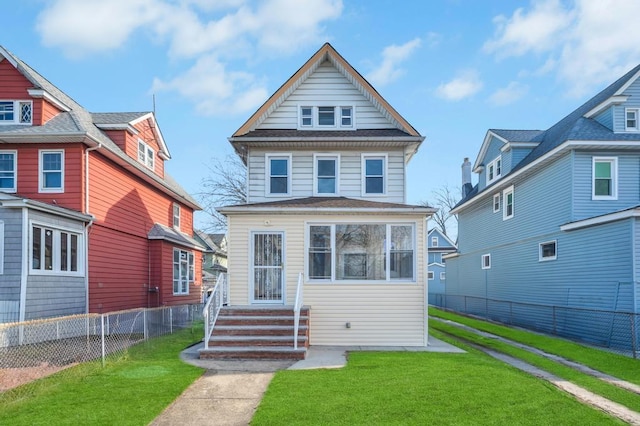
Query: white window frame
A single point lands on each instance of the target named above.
(385, 173)
(147, 156)
(434, 241)
(542, 258)
(333, 279)
(15, 171)
(17, 112)
(486, 261)
(56, 250)
(614, 178)
(176, 215)
(635, 128)
(190, 268)
(505, 199)
(494, 167)
(496, 202)
(41, 171)
(442, 276)
(338, 115)
(326, 156)
(430, 275)
(267, 179)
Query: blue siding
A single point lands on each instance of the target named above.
(12, 262)
(517, 155)
(605, 118)
(436, 285)
(628, 184)
(493, 152)
(633, 91)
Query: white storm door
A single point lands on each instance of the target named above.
(268, 270)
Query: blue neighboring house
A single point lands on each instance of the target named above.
(438, 246)
(554, 220)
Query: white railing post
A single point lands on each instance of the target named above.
(296, 309)
(212, 307)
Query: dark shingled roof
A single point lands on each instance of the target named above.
(116, 117)
(331, 202)
(519, 135)
(338, 134)
(161, 232)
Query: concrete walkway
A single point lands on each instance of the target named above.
(229, 392)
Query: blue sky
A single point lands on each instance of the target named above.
(452, 68)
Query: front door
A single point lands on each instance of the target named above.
(268, 271)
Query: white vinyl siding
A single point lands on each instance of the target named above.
(335, 87)
(381, 313)
(302, 169)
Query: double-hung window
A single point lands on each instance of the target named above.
(55, 251)
(326, 117)
(51, 176)
(278, 174)
(494, 170)
(16, 112)
(8, 167)
(605, 178)
(496, 202)
(631, 120)
(508, 201)
(361, 251)
(326, 174)
(183, 271)
(346, 116)
(434, 241)
(146, 155)
(374, 171)
(176, 215)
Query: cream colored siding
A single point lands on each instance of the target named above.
(380, 313)
(350, 175)
(328, 86)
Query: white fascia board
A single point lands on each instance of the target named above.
(625, 86)
(450, 255)
(41, 93)
(613, 100)
(58, 211)
(164, 150)
(483, 150)
(323, 210)
(599, 220)
(299, 139)
(510, 145)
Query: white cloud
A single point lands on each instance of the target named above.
(466, 84)
(509, 94)
(195, 30)
(586, 42)
(392, 57)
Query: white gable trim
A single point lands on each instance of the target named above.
(599, 220)
(613, 100)
(629, 82)
(164, 150)
(8, 57)
(510, 145)
(477, 167)
(40, 93)
(443, 236)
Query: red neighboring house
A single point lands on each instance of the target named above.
(89, 220)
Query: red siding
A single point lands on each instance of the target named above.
(119, 137)
(13, 85)
(147, 134)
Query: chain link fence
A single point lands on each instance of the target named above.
(613, 330)
(34, 349)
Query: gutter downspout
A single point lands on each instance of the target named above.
(88, 225)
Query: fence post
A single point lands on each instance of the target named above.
(144, 325)
(102, 337)
(634, 342)
(170, 320)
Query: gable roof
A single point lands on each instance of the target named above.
(76, 124)
(579, 125)
(326, 53)
(431, 233)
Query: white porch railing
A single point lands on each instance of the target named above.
(296, 309)
(219, 297)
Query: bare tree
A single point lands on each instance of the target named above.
(444, 199)
(225, 185)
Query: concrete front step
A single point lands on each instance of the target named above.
(228, 341)
(258, 330)
(254, 352)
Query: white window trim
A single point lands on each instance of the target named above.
(637, 127)
(15, 170)
(16, 112)
(430, 275)
(494, 163)
(316, 157)
(506, 192)
(442, 276)
(41, 187)
(267, 170)
(614, 178)
(385, 172)
(496, 202)
(546, 259)
(337, 116)
(483, 263)
(434, 241)
(56, 250)
(176, 205)
(387, 279)
(190, 258)
(149, 159)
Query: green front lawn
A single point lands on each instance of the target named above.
(130, 390)
(419, 388)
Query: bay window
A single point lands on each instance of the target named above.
(55, 251)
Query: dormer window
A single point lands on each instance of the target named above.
(146, 155)
(631, 120)
(326, 117)
(494, 170)
(16, 112)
